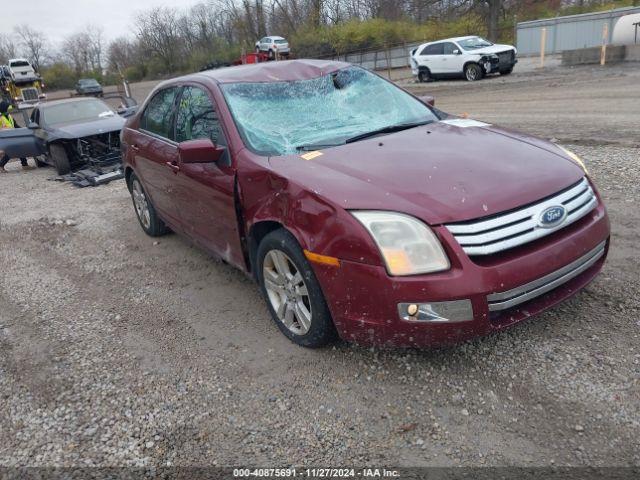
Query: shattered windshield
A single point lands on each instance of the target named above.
(73, 112)
(277, 118)
(474, 43)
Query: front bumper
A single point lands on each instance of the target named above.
(364, 299)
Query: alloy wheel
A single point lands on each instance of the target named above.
(287, 292)
(472, 73)
(141, 204)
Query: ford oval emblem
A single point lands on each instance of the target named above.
(552, 216)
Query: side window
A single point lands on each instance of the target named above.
(157, 116)
(434, 49)
(197, 117)
(449, 48)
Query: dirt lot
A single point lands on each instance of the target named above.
(117, 349)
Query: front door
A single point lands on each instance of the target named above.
(156, 153)
(205, 196)
(452, 62)
(21, 142)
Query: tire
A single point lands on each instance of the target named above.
(272, 55)
(40, 163)
(507, 71)
(257, 49)
(424, 76)
(145, 211)
(60, 158)
(473, 72)
(285, 298)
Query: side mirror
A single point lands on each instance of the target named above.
(457, 52)
(33, 125)
(199, 151)
(428, 100)
(127, 111)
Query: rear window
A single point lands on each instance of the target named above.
(157, 117)
(19, 64)
(435, 49)
(281, 41)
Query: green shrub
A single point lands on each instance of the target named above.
(58, 76)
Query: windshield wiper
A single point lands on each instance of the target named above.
(316, 146)
(389, 129)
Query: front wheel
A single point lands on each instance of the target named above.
(292, 292)
(60, 159)
(146, 213)
(473, 72)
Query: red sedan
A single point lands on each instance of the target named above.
(359, 209)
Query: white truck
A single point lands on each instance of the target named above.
(20, 84)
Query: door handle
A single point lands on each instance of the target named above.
(173, 166)
(135, 147)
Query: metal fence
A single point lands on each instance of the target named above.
(568, 33)
(396, 56)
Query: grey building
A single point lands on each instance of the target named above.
(568, 33)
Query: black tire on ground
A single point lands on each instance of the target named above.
(322, 330)
(507, 71)
(151, 224)
(424, 76)
(40, 163)
(60, 158)
(473, 72)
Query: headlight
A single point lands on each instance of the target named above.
(407, 245)
(575, 158)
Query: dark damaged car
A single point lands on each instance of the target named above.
(361, 210)
(67, 134)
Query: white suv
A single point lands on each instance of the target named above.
(273, 46)
(469, 57)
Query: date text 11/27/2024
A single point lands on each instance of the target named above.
(316, 472)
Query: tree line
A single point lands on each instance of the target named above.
(166, 41)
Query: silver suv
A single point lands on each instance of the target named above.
(273, 46)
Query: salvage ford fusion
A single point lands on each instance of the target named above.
(360, 210)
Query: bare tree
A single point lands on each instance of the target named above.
(121, 53)
(7, 48)
(158, 33)
(33, 42)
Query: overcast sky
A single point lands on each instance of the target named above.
(58, 18)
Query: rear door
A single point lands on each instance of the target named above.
(205, 191)
(156, 152)
(431, 57)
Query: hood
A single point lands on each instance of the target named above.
(439, 172)
(492, 49)
(84, 129)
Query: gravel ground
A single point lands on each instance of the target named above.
(120, 350)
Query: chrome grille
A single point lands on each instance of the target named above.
(484, 237)
(29, 94)
(524, 293)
